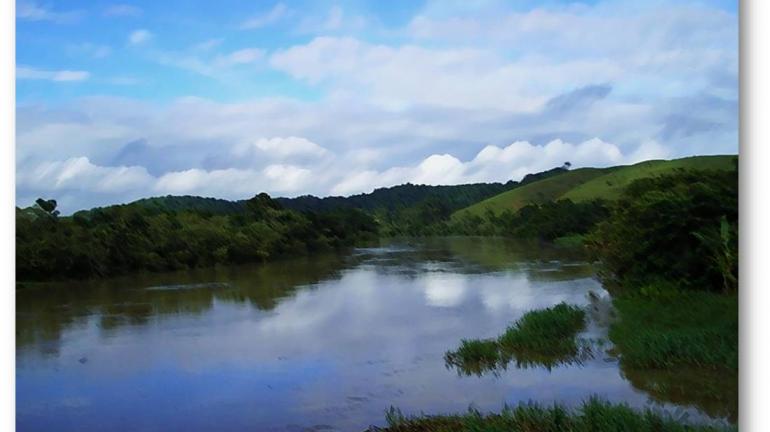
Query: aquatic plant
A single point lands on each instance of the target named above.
(539, 338)
(594, 414)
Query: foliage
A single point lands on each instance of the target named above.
(663, 328)
(541, 191)
(546, 221)
(589, 184)
(120, 239)
(395, 198)
(539, 338)
(593, 415)
(680, 228)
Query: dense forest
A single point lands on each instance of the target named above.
(672, 226)
(126, 238)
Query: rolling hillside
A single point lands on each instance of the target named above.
(540, 191)
(586, 184)
(610, 186)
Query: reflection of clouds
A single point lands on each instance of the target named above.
(444, 289)
(337, 352)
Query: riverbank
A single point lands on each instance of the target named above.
(593, 415)
(678, 346)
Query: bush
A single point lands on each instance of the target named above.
(679, 228)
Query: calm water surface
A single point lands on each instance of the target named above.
(321, 343)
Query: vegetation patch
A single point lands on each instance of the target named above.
(539, 338)
(664, 330)
(680, 229)
(593, 415)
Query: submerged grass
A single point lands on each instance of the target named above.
(543, 338)
(593, 415)
(546, 331)
(672, 329)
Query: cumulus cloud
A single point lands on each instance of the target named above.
(492, 164)
(464, 92)
(140, 36)
(28, 73)
(498, 164)
(79, 174)
(410, 75)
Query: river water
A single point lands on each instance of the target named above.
(319, 343)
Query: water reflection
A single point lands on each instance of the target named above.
(520, 359)
(315, 342)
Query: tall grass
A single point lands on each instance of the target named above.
(670, 329)
(593, 415)
(539, 338)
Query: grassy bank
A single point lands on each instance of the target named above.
(543, 337)
(663, 330)
(592, 415)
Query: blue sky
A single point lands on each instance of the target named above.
(117, 101)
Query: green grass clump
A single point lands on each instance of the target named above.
(593, 415)
(539, 338)
(671, 329)
(475, 356)
(549, 331)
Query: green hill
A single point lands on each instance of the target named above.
(610, 186)
(540, 191)
(586, 184)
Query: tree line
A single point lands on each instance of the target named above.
(127, 238)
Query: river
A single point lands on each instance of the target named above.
(318, 343)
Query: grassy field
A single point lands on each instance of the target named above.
(590, 183)
(538, 192)
(609, 186)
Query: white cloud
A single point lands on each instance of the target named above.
(290, 146)
(123, 10)
(411, 75)
(28, 73)
(239, 57)
(208, 44)
(80, 174)
(140, 36)
(278, 11)
(495, 164)
(489, 92)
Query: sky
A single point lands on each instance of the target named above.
(119, 101)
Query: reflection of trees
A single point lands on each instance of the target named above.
(713, 392)
(45, 311)
(541, 261)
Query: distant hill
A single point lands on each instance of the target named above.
(540, 191)
(389, 199)
(171, 203)
(402, 196)
(586, 184)
(407, 195)
(611, 185)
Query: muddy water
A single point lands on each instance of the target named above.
(321, 343)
